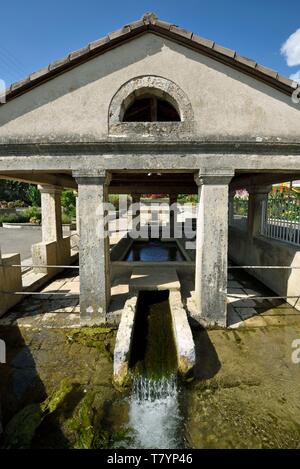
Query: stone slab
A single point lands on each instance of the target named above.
(144, 278)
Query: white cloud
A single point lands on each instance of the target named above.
(296, 76)
(291, 49)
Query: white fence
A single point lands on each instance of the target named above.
(281, 220)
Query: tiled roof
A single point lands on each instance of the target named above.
(150, 23)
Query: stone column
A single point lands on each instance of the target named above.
(211, 245)
(51, 213)
(94, 262)
(173, 214)
(136, 220)
(257, 194)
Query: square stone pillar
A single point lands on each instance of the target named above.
(257, 195)
(212, 245)
(51, 213)
(94, 261)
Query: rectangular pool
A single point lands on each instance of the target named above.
(154, 251)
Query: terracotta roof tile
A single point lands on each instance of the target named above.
(19, 84)
(266, 71)
(59, 63)
(119, 33)
(245, 61)
(202, 41)
(136, 24)
(79, 53)
(287, 81)
(39, 73)
(224, 50)
(181, 31)
(100, 42)
(163, 24)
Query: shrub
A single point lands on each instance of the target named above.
(187, 199)
(66, 219)
(33, 213)
(68, 203)
(13, 218)
(114, 199)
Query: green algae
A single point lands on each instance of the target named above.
(82, 425)
(154, 350)
(21, 429)
(101, 338)
(88, 429)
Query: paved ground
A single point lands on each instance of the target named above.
(19, 240)
(57, 304)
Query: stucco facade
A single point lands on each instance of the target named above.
(227, 104)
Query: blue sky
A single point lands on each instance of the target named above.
(34, 32)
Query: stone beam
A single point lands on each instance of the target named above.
(144, 161)
(153, 189)
(62, 180)
(244, 181)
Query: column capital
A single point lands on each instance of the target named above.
(214, 176)
(92, 176)
(49, 189)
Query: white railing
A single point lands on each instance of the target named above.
(281, 220)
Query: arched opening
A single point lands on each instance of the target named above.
(147, 108)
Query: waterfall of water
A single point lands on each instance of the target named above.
(154, 414)
(154, 411)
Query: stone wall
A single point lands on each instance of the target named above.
(260, 250)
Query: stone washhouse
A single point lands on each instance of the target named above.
(152, 108)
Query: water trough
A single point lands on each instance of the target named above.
(148, 279)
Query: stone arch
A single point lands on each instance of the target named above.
(157, 86)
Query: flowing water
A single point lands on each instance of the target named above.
(154, 408)
(154, 413)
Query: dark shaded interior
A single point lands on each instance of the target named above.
(151, 109)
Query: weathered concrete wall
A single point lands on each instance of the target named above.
(51, 253)
(10, 280)
(226, 103)
(259, 250)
